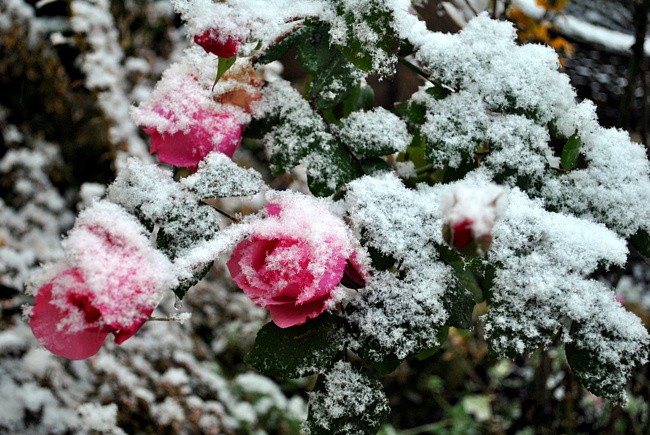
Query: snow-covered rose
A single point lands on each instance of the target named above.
(294, 259)
(111, 283)
(188, 118)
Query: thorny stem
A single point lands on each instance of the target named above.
(469, 5)
(232, 218)
(416, 69)
(159, 319)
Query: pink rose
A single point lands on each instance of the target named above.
(217, 44)
(78, 301)
(294, 259)
(114, 286)
(211, 132)
(188, 118)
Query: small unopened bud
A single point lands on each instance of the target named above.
(220, 45)
(469, 213)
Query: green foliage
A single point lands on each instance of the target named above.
(441, 337)
(299, 350)
(570, 153)
(378, 56)
(224, 65)
(333, 76)
(279, 49)
(349, 401)
(329, 168)
(465, 273)
(641, 241)
(459, 303)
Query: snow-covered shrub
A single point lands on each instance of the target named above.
(489, 184)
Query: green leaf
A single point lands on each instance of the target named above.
(185, 285)
(224, 65)
(379, 260)
(374, 165)
(442, 337)
(334, 82)
(388, 365)
(459, 303)
(641, 241)
(313, 47)
(516, 331)
(465, 275)
(220, 177)
(438, 92)
(329, 168)
(570, 153)
(299, 350)
(360, 98)
(376, 54)
(279, 49)
(604, 355)
(349, 401)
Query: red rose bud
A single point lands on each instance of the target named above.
(461, 237)
(214, 43)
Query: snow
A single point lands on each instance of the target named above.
(551, 231)
(348, 400)
(219, 177)
(102, 64)
(374, 133)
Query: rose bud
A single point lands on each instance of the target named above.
(221, 45)
(469, 213)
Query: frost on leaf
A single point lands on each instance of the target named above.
(606, 346)
(484, 59)
(374, 133)
(614, 187)
(179, 217)
(349, 402)
(220, 177)
(298, 127)
(401, 315)
(541, 287)
(301, 136)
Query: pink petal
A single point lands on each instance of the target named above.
(124, 334)
(187, 149)
(273, 209)
(45, 318)
(354, 271)
(250, 253)
(291, 314)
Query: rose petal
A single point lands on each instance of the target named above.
(213, 43)
(187, 149)
(290, 314)
(45, 318)
(250, 252)
(124, 334)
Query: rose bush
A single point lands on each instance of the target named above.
(114, 286)
(293, 260)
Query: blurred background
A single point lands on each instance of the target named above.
(70, 70)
